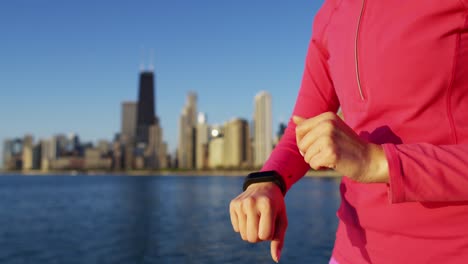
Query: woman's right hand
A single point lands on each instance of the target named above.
(259, 214)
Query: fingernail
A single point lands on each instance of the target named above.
(278, 254)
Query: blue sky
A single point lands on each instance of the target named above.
(66, 66)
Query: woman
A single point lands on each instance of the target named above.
(399, 72)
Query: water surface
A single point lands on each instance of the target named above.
(84, 219)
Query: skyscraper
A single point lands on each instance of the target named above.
(216, 147)
(129, 122)
(216, 150)
(236, 144)
(58, 146)
(74, 145)
(27, 154)
(156, 155)
(47, 154)
(186, 151)
(202, 141)
(263, 128)
(280, 133)
(37, 156)
(145, 112)
(16, 162)
(7, 152)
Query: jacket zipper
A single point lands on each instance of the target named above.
(356, 59)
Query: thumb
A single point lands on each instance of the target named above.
(297, 119)
(278, 239)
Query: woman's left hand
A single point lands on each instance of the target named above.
(326, 141)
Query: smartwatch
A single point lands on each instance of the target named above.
(265, 176)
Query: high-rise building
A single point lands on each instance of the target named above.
(281, 130)
(47, 154)
(263, 131)
(280, 133)
(15, 161)
(58, 146)
(216, 149)
(27, 155)
(7, 153)
(146, 108)
(186, 151)
(181, 155)
(129, 122)
(236, 144)
(156, 151)
(202, 141)
(37, 156)
(128, 157)
(164, 158)
(118, 155)
(74, 145)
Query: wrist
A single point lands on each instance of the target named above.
(377, 171)
(265, 176)
(266, 185)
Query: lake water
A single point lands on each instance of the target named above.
(84, 219)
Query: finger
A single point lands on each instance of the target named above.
(278, 239)
(242, 220)
(234, 220)
(302, 153)
(310, 138)
(266, 227)
(313, 148)
(319, 153)
(327, 158)
(304, 127)
(311, 154)
(248, 209)
(297, 119)
(252, 226)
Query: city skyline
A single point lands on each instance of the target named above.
(140, 143)
(202, 146)
(73, 79)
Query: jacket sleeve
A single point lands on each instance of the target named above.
(316, 96)
(427, 173)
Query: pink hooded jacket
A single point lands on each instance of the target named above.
(399, 71)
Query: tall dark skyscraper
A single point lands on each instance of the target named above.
(145, 113)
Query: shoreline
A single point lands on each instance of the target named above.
(187, 173)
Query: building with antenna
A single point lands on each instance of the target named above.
(141, 135)
(145, 110)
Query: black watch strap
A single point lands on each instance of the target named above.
(265, 176)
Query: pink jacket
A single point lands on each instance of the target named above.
(399, 71)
